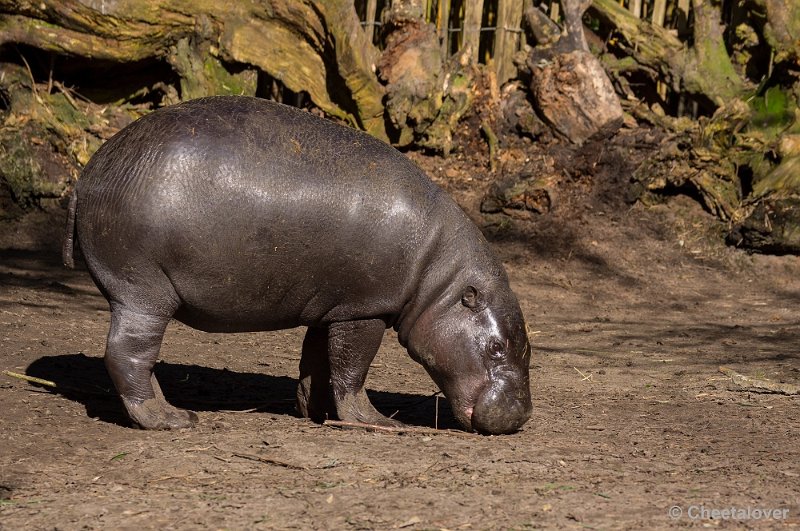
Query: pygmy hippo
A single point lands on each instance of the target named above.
(236, 214)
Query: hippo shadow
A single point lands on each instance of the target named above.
(84, 379)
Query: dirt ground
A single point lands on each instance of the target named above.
(631, 312)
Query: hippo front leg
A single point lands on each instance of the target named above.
(352, 346)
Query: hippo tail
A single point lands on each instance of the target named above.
(69, 235)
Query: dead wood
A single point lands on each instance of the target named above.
(542, 29)
(759, 385)
(523, 195)
(704, 69)
(570, 88)
(574, 96)
(769, 221)
(411, 68)
(425, 95)
(310, 46)
(573, 24)
(782, 30)
(395, 429)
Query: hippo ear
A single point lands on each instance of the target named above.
(470, 298)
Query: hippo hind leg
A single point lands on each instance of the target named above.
(350, 346)
(131, 353)
(314, 398)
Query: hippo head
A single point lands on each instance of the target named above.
(474, 345)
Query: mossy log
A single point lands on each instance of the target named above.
(743, 164)
(782, 30)
(703, 69)
(46, 136)
(311, 46)
(769, 221)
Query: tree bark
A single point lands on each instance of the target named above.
(571, 90)
(704, 69)
(543, 30)
(783, 29)
(573, 23)
(709, 69)
(311, 46)
(425, 95)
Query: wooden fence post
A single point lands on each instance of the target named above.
(506, 38)
(555, 13)
(635, 7)
(443, 27)
(372, 7)
(659, 12)
(473, 15)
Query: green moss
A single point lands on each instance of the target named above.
(20, 172)
(772, 113)
(65, 113)
(225, 82)
(623, 64)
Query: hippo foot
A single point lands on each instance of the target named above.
(155, 414)
(313, 404)
(357, 408)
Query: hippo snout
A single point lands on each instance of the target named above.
(502, 408)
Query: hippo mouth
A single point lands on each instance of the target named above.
(499, 409)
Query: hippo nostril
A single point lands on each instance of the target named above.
(500, 410)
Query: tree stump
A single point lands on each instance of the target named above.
(570, 88)
(574, 96)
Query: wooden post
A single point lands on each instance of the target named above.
(372, 7)
(443, 27)
(473, 14)
(506, 38)
(554, 11)
(659, 12)
(635, 7)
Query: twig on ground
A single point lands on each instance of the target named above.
(58, 387)
(436, 417)
(250, 410)
(757, 385)
(269, 461)
(584, 376)
(31, 379)
(394, 429)
(33, 79)
(66, 92)
(491, 140)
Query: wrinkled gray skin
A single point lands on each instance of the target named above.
(234, 214)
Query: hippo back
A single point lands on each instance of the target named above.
(253, 215)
